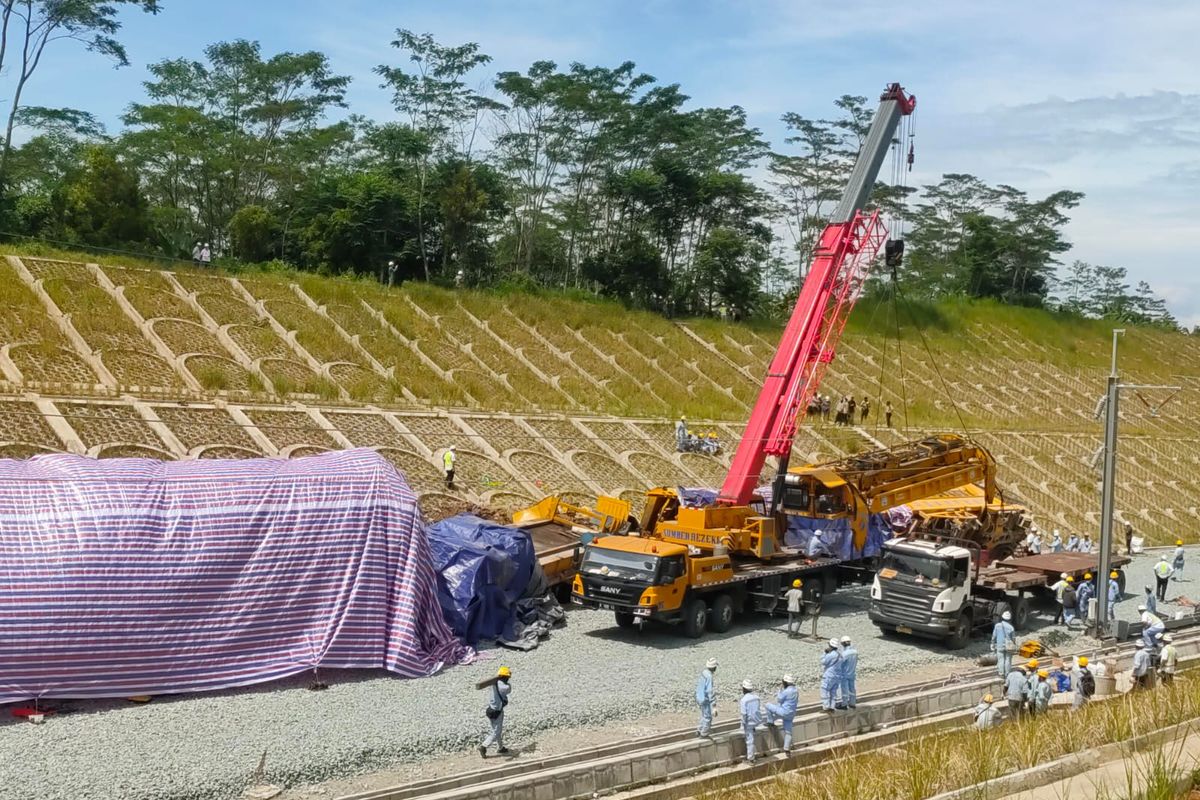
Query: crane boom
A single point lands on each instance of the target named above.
(845, 249)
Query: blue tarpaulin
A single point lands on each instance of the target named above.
(816, 537)
(483, 570)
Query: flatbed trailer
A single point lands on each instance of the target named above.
(678, 590)
(558, 549)
(1025, 573)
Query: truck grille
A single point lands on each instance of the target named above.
(906, 603)
(613, 592)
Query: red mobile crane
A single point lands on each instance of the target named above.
(682, 568)
(848, 245)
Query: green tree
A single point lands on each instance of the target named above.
(101, 203)
(252, 233)
(29, 27)
(439, 105)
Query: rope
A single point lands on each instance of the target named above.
(929, 352)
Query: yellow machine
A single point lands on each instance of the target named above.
(700, 566)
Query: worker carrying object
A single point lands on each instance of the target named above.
(1084, 595)
(795, 607)
(986, 714)
(1004, 643)
(448, 459)
(831, 675)
(1177, 562)
(1014, 690)
(706, 697)
(849, 673)
(1152, 625)
(783, 710)
(751, 711)
(501, 689)
(1168, 660)
(681, 434)
(1162, 574)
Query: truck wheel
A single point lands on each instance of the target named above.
(1020, 613)
(961, 634)
(721, 619)
(624, 619)
(695, 616)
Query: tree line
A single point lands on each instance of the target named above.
(589, 178)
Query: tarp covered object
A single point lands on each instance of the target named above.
(483, 570)
(134, 576)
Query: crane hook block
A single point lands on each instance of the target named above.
(893, 252)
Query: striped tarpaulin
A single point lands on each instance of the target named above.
(134, 576)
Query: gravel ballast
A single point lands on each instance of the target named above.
(207, 746)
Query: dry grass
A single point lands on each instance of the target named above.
(944, 762)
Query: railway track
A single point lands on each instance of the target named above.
(677, 754)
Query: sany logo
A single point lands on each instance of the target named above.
(610, 589)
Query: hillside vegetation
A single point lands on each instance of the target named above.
(1025, 381)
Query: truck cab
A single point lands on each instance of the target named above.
(924, 588)
(634, 577)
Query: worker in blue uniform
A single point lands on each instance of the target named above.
(1004, 643)
(783, 710)
(751, 710)
(501, 689)
(849, 673)
(831, 675)
(706, 697)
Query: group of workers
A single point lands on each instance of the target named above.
(1073, 544)
(687, 442)
(839, 668)
(1028, 688)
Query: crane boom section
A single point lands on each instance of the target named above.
(844, 251)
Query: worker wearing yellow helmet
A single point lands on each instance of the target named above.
(1177, 561)
(1039, 691)
(795, 607)
(1083, 596)
(1083, 683)
(501, 688)
(986, 714)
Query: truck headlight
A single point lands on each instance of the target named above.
(876, 592)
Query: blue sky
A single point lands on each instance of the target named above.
(1103, 97)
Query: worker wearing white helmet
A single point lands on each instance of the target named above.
(1168, 660)
(783, 710)
(706, 697)
(849, 673)
(1004, 643)
(831, 675)
(1058, 587)
(1152, 625)
(751, 712)
(1140, 674)
(448, 460)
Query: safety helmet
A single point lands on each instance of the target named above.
(1064, 575)
(789, 679)
(1179, 542)
(1031, 663)
(1114, 575)
(1140, 644)
(1158, 636)
(453, 447)
(504, 672)
(1006, 616)
(1043, 673)
(834, 643)
(1146, 589)
(1167, 638)
(1070, 579)
(1162, 556)
(710, 664)
(987, 698)
(845, 640)
(747, 685)
(1082, 661)
(1141, 608)
(1087, 576)
(796, 584)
